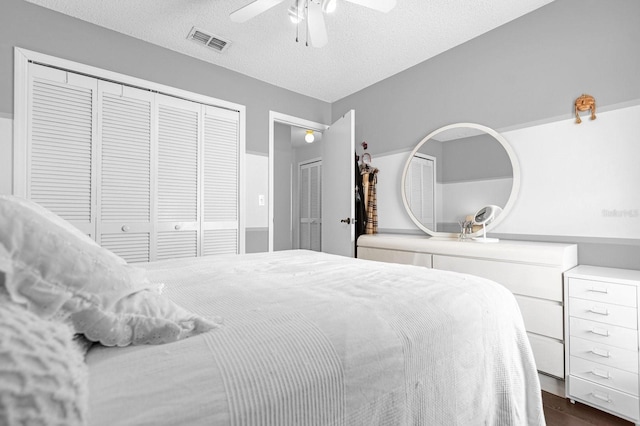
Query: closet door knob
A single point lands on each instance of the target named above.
(177, 227)
(125, 228)
(347, 220)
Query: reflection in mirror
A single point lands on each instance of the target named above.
(455, 171)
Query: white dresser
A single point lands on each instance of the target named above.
(533, 271)
(602, 345)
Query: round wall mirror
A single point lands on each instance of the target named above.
(455, 171)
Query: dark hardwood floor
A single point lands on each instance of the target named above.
(561, 412)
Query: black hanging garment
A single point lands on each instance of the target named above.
(361, 215)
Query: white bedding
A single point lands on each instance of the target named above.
(314, 339)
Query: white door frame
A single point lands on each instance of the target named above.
(277, 117)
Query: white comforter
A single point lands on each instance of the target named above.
(315, 339)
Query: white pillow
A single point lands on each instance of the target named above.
(57, 271)
(43, 377)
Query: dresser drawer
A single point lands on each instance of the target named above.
(395, 256)
(604, 375)
(549, 324)
(601, 396)
(602, 291)
(623, 316)
(549, 355)
(607, 334)
(542, 282)
(612, 356)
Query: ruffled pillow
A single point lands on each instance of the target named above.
(43, 377)
(56, 271)
(145, 317)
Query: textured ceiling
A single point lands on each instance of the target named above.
(364, 46)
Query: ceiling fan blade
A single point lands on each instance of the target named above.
(379, 5)
(317, 28)
(253, 9)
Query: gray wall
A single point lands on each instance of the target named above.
(468, 159)
(36, 28)
(474, 158)
(257, 240)
(529, 70)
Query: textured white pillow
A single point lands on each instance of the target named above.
(43, 377)
(57, 271)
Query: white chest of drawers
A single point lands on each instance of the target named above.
(602, 353)
(532, 271)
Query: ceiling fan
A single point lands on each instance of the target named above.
(311, 10)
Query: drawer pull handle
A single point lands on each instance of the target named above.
(602, 397)
(602, 374)
(600, 352)
(600, 332)
(599, 290)
(599, 311)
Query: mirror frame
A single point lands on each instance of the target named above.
(515, 187)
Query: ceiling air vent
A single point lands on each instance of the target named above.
(211, 41)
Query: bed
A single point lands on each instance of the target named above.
(283, 338)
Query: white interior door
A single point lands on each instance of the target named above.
(338, 186)
(125, 169)
(177, 208)
(310, 186)
(221, 225)
(60, 155)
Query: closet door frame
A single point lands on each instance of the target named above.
(22, 57)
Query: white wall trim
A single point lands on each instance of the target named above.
(22, 57)
(277, 117)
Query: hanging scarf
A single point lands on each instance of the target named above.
(370, 179)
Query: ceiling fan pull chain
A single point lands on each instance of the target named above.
(306, 11)
(297, 18)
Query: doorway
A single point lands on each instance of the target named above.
(287, 150)
(338, 201)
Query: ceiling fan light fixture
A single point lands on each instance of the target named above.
(294, 15)
(329, 6)
(309, 137)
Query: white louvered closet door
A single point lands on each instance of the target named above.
(124, 141)
(310, 206)
(220, 181)
(177, 189)
(61, 124)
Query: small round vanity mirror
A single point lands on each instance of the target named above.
(455, 171)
